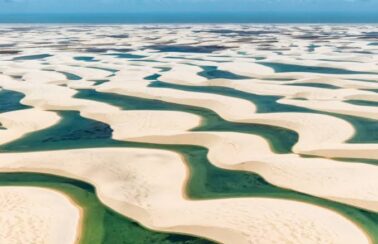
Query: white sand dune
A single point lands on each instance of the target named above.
(140, 124)
(37, 215)
(336, 107)
(247, 69)
(227, 107)
(342, 83)
(235, 110)
(330, 130)
(183, 72)
(236, 151)
(18, 123)
(274, 88)
(147, 185)
(349, 66)
(85, 73)
(41, 76)
(330, 133)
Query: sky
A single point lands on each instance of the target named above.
(175, 6)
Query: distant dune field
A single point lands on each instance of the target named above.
(188, 134)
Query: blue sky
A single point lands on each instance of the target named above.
(79, 6)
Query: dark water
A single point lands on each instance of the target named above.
(85, 59)
(212, 72)
(312, 47)
(71, 76)
(206, 181)
(281, 139)
(263, 103)
(127, 55)
(317, 85)
(68, 75)
(33, 57)
(105, 69)
(366, 129)
(10, 101)
(99, 82)
(104, 50)
(74, 131)
(280, 67)
(363, 103)
(186, 48)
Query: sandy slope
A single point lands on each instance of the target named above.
(37, 215)
(331, 131)
(131, 125)
(147, 185)
(316, 176)
(18, 123)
